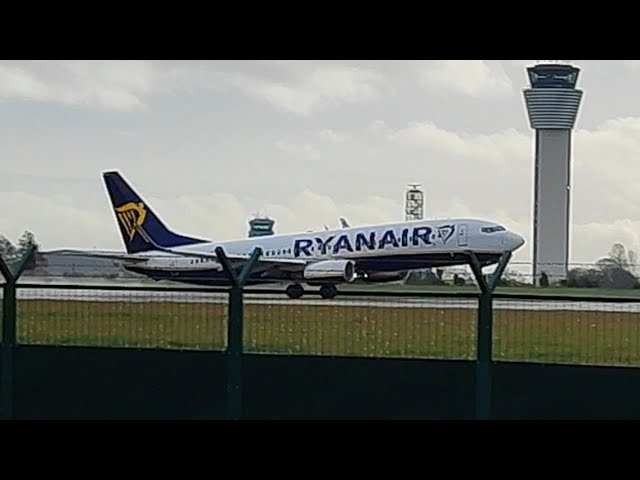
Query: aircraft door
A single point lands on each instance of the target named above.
(463, 239)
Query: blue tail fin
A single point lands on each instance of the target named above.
(137, 221)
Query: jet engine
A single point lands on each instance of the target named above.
(335, 270)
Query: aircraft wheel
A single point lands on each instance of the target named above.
(328, 291)
(294, 291)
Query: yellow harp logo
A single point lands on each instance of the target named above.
(131, 216)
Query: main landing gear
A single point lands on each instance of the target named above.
(296, 291)
(328, 291)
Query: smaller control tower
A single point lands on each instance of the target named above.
(414, 202)
(261, 226)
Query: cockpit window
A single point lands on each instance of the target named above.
(497, 228)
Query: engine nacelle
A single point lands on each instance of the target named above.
(381, 277)
(334, 270)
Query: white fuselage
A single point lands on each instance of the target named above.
(385, 247)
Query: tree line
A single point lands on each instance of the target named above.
(12, 254)
(618, 270)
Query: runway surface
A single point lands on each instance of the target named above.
(92, 295)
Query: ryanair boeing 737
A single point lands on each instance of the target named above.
(376, 253)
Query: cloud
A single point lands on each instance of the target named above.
(606, 180)
(306, 91)
(108, 85)
(331, 136)
(297, 150)
(474, 78)
(58, 222)
(493, 148)
(298, 87)
(125, 133)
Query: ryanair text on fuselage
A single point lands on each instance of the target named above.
(419, 235)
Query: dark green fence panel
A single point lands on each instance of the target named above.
(118, 383)
(320, 387)
(115, 383)
(526, 391)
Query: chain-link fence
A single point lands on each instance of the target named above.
(148, 318)
(596, 331)
(599, 331)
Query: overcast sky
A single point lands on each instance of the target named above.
(209, 143)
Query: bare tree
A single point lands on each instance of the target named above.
(8, 251)
(616, 268)
(619, 255)
(633, 258)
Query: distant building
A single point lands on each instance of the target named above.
(261, 227)
(56, 263)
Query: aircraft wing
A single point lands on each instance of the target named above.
(263, 262)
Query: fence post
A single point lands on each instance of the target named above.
(9, 331)
(484, 333)
(235, 331)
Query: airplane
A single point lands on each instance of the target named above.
(371, 254)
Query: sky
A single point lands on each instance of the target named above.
(209, 143)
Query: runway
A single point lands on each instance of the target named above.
(93, 295)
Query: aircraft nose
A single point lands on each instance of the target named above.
(513, 241)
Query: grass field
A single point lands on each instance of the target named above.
(607, 338)
(563, 291)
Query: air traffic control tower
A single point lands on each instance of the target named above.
(552, 105)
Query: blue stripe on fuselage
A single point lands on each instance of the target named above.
(386, 263)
